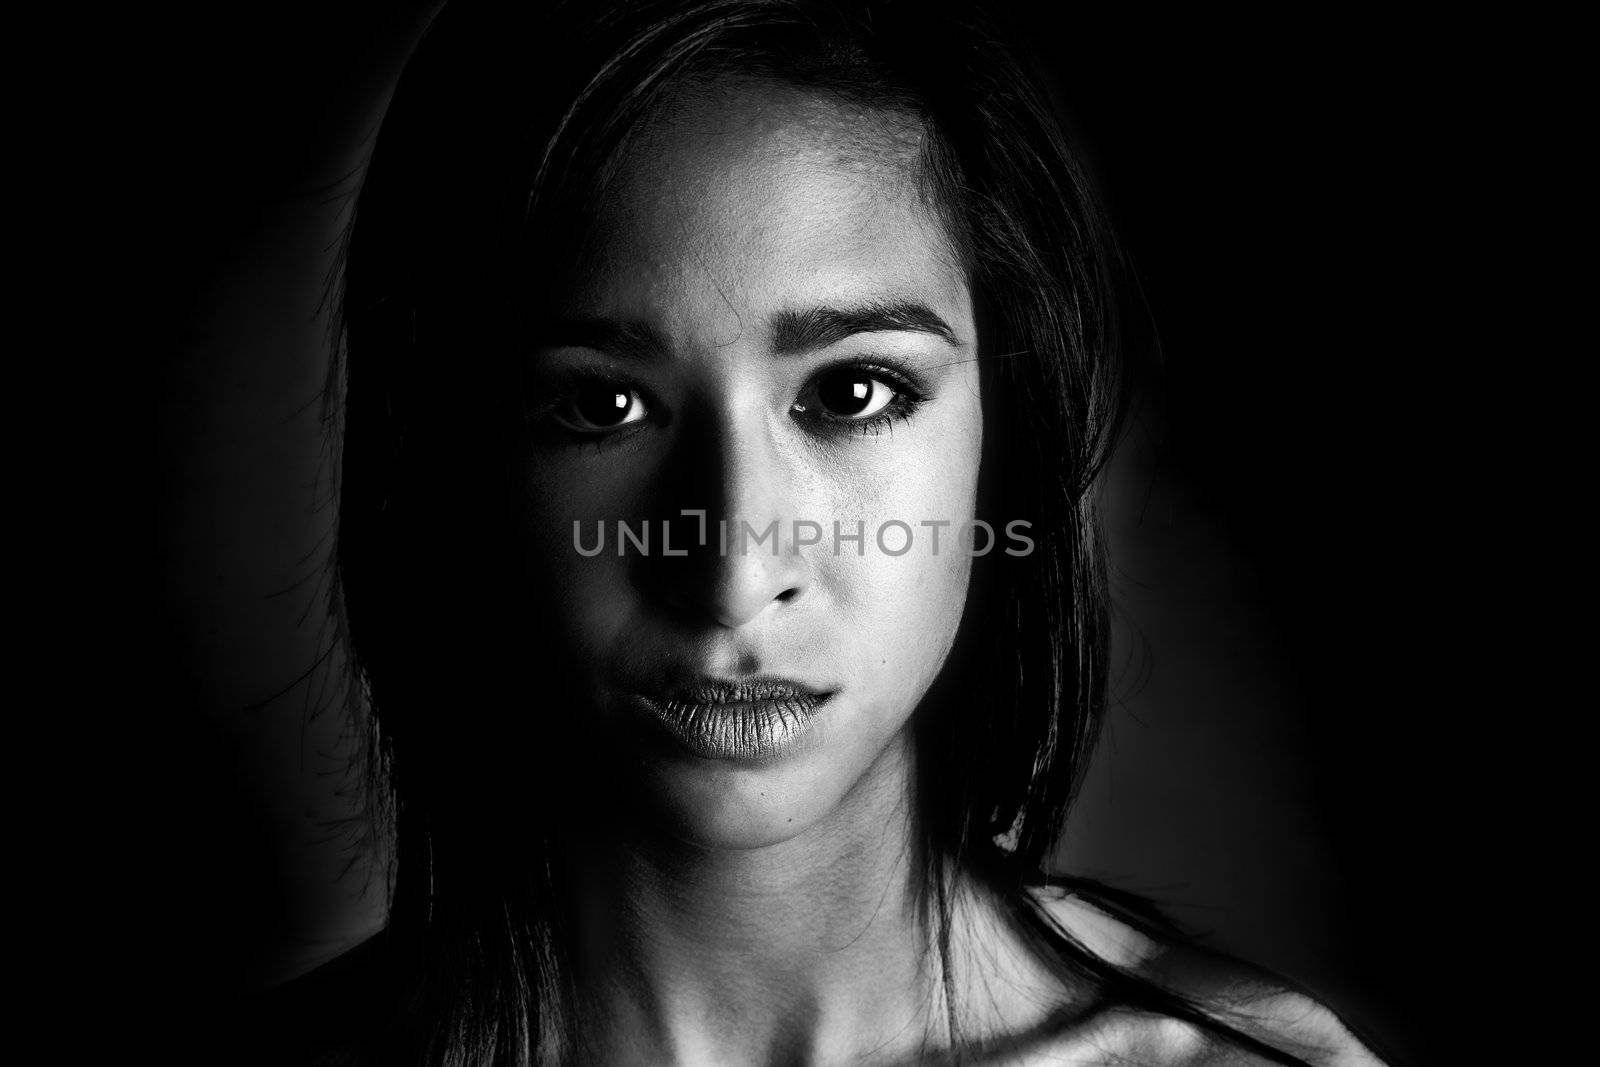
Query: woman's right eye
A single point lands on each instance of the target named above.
(598, 407)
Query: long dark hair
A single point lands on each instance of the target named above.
(498, 139)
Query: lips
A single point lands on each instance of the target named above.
(743, 719)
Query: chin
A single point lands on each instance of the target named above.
(734, 805)
(721, 804)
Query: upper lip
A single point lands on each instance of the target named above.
(758, 689)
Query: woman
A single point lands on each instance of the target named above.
(772, 295)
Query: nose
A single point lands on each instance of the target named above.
(748, 561)
(749, 580)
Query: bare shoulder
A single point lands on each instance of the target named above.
(1244, 1000)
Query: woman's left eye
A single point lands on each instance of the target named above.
(862, 397)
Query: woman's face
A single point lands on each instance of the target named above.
(769, 327)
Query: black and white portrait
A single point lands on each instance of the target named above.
(793, 532)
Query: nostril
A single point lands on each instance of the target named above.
(787, 595)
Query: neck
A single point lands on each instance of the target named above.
(811, 949)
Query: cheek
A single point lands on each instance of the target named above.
(902, 621)
(580, 593)
(901, 611)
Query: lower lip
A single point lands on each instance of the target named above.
(743, 731)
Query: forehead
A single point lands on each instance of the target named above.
(760, 193)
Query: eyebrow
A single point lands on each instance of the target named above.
(794, 331)
(628, 340)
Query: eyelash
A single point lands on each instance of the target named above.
(908, 396)
(559, 387)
